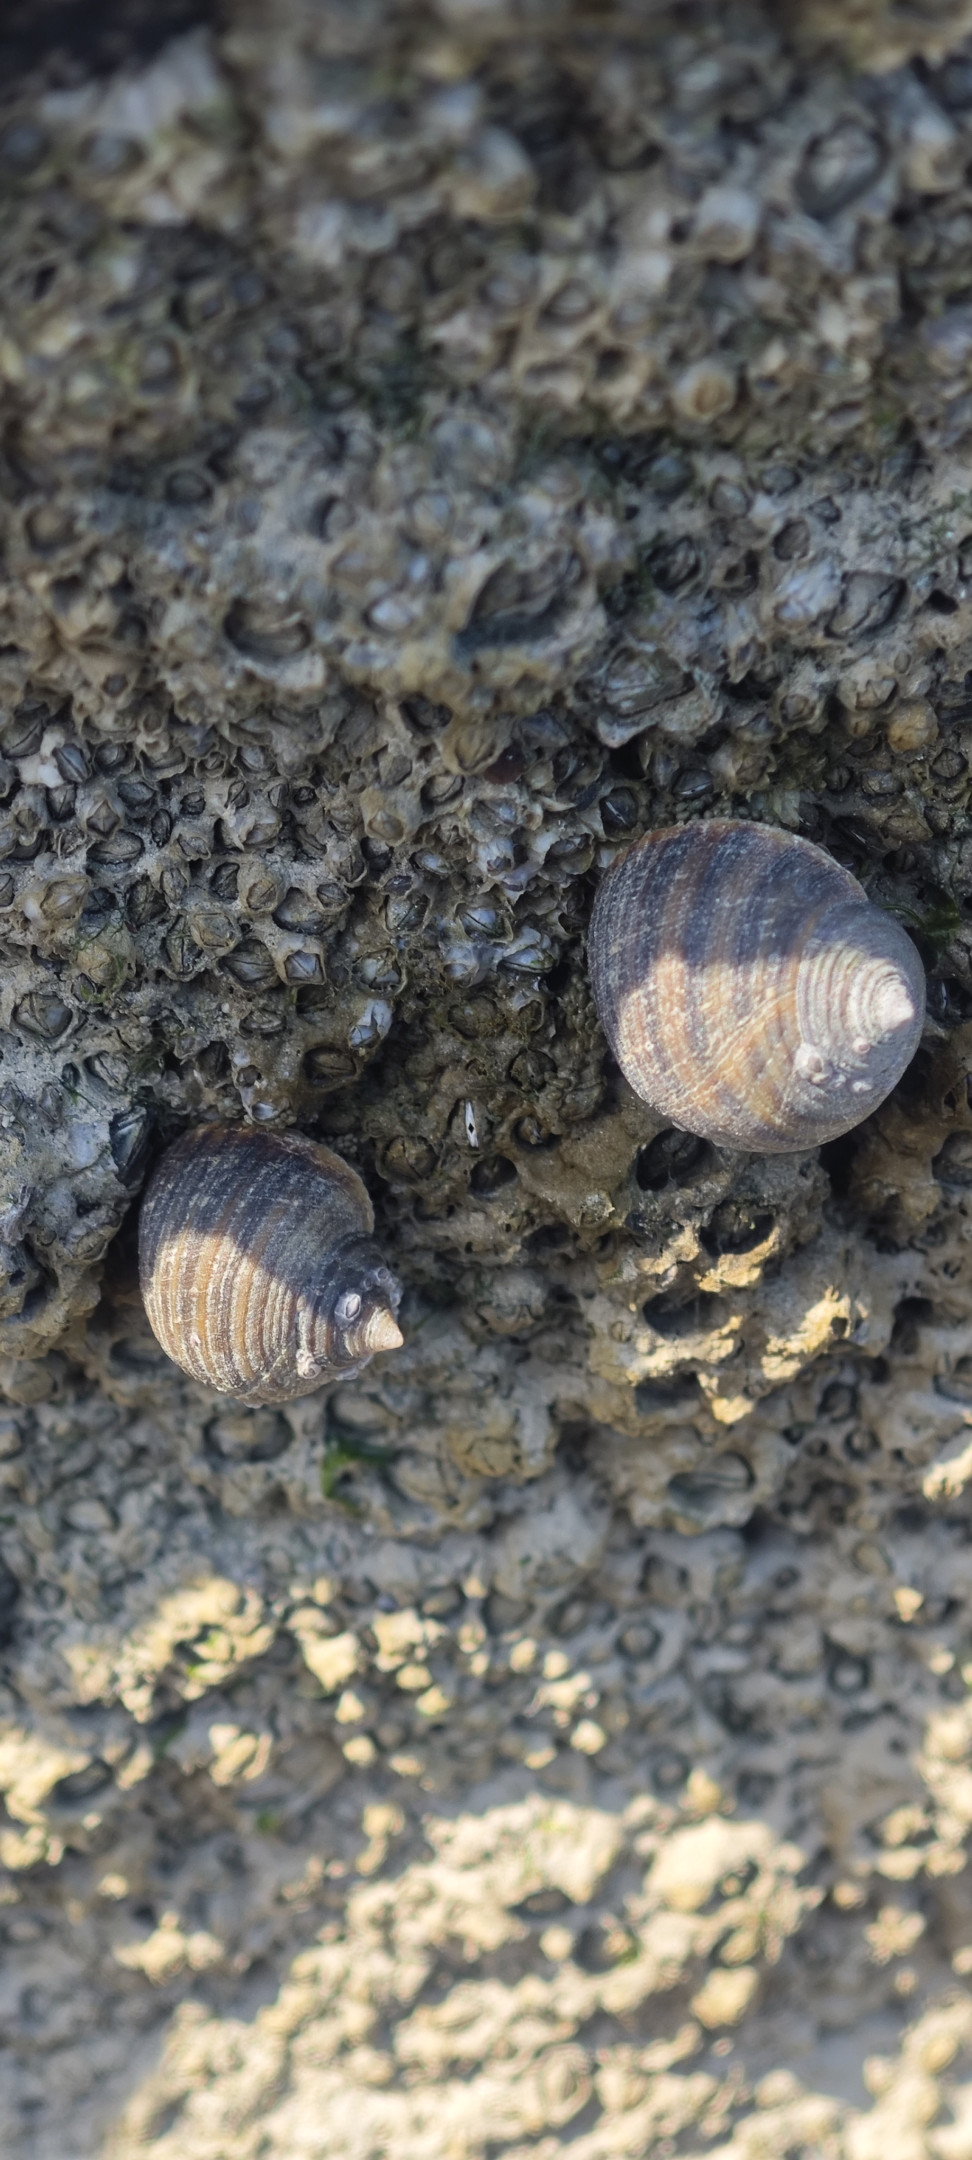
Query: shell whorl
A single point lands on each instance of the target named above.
(749, 989)
(258, 1271)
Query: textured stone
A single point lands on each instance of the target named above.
(440, 443)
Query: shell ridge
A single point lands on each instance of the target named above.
(256, 1284)
(217, 1288)
(661, 893)
(221, 1214)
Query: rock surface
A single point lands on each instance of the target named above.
(438, 444)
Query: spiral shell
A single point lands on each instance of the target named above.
(749, 990)
(257, 1267)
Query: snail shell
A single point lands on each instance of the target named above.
(257, 1267)
(749, 990)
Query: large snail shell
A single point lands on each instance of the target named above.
(257, 1266)
(748, 988)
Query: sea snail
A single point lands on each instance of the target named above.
(257, 1266)
(749, 989)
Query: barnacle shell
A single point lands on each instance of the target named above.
(748, 988)
(257, 1267)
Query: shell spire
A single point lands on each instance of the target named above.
(749, 989)
(257, 1265)
(383, 1332)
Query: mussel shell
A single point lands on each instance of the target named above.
(246, 1241)
(750, 991)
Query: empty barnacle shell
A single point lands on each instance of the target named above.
(257, 1266)
(749, 989)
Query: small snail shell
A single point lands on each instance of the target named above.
(749, 990)
(256, 1263)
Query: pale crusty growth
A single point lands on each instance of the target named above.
(444, 440)
(257, 1269)
(749, 989)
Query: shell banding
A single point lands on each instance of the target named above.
(749, 989)
(257, 1266)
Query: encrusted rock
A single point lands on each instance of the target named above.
(439, 445)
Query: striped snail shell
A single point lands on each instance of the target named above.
(750, 991)
(257, 1266)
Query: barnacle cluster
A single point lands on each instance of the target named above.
(440, 444)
